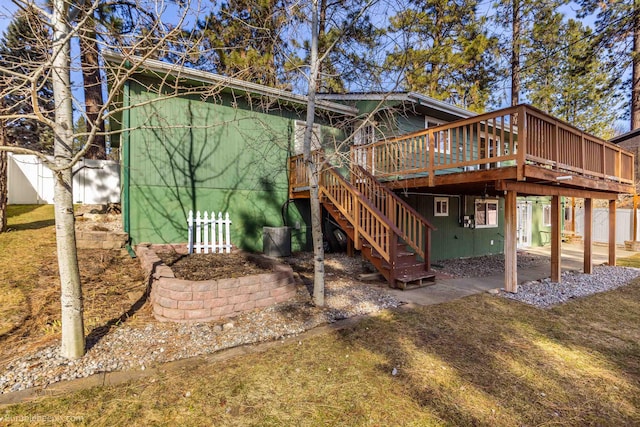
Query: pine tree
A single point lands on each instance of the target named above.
(243, 39)
(346, 40)
(566, 75)
(618, 32)
(21, 52)
(518, 18)
(446, 53)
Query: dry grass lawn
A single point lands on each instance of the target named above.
(482, 360)
(30, 287)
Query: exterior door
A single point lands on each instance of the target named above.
(524, 224)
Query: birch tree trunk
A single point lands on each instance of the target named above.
(635, 75)
(313, 168)
(3, 181)
(73, 344)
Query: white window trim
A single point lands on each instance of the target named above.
(444, 201)
(487, 201)
(428, 119)
(365, 133)
(435, 122)
(544, 222)
(298, 135)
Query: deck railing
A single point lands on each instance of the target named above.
(366, 219)
(376, 213)
(415, 230)
(515, 136)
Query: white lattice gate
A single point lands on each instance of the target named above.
(208, 234)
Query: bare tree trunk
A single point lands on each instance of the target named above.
(92, 88)
(515, 53)
(313, 168)
(3, 181)
(73, 344)
(322, 29)
(635, 85)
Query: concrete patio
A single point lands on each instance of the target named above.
(450, 289)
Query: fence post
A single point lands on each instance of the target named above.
(220, 235)
(205, 225)
(198, 233)
(228, 232)
(190, 226)
(214, 243)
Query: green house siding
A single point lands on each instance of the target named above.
(186, 153)
(451, 239)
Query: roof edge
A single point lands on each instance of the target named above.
(414, 97)
(155, 65)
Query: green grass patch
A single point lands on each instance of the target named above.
(632, 261)
(482, 360)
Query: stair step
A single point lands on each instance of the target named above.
(415, 281)
(404, 254)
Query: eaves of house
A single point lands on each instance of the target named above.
(156, 68)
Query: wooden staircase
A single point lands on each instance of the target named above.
(387, 231)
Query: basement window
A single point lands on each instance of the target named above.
(486, 215)
(441, 206)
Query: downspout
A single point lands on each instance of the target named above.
(126, 159)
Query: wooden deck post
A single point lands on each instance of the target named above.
(573, 217)
(612, 232)
(635, 218)
(510, 243)
(556, 241)
(588, 226)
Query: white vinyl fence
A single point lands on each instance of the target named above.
(600, 230)
(30, 182)
(203, 231)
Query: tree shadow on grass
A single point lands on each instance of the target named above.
(101, 331)
(16, 210)
(35, 225)
(487, 361)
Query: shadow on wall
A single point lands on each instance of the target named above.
(31, 182)
(229, 164)
(96, 182)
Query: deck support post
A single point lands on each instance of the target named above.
(510, 242)
(612, 232)
(635, 217)
(556, 241)
(588, 226)
(350, 248)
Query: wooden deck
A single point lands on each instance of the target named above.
(514, 144)
(513, 152)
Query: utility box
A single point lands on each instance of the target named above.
(276, 241)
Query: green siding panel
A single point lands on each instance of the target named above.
(192, 154)
(452, 240)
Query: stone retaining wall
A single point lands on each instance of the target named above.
(180, 300)
(101, 239)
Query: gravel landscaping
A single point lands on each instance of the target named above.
(545, 293)
(138, 346)
(143, 344)
(483, 266)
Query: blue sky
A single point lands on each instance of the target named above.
(8, 8)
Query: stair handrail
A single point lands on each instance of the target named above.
(354, 217)
(412, 239)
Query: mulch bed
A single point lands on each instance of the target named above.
(210, 266)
